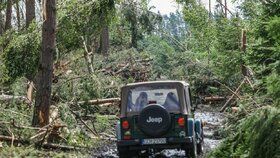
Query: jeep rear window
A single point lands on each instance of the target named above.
(139, 97)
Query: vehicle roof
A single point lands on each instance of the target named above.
(185, 106)
(157, 82)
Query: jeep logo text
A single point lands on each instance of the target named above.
(153, 120)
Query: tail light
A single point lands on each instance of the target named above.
(181, 122)
(125, 125)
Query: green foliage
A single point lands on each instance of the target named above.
(162, 53)
(196, 15)
(197, 50)
(21, 55)
(229, 57)
(105, 123)
(273, 84)
(264, 54)
(82, 20)
(82, 86)
(89, 87)
(31, 152)
(20, 114)
(203, 32)
(256, 136)
(215, 41)
(139, 18)
(273, 28)
(173, 30)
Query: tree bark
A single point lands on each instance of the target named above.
(87, 57)
(30, 89)
(30, 16)
(45, 72)
(134, 35)
(210, 8)
(1, 20)
(133, 23)
(18, 15)
(30, 11)
(104, 40)
(226, 8)
(1, 26)
(8, 23)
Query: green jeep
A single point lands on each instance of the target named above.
(155, 116)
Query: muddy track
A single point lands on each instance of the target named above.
(213, 121)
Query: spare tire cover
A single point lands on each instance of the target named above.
(154, 120)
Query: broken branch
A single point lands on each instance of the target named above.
(84, 123)
(228, 101)
(228, 89)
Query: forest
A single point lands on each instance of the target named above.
(63, 63)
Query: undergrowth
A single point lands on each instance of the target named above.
(255, 136)
(31, 152)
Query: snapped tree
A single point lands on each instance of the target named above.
(45, 71)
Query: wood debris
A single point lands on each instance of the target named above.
(137, 69)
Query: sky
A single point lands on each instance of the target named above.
(164, 6)
(168, 6)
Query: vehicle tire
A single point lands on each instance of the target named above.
(200, 145)
(191, 150)
(125, 153)
(201, 141)
(200, 148)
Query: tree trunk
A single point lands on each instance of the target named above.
(30, 16)
(1, 20)
(1, 26)
(210, 7)
(22, 13)
(134, 33)
(87, 57)
(226, 8)
(104, 40)
(18, 15)
(133, 25)
(8, 23)
(30, 11)
(45, 72)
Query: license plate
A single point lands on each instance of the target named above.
(154, 141)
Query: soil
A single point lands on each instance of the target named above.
(213, 121)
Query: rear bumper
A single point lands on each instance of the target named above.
(172, 143)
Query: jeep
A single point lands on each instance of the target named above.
(155, 116)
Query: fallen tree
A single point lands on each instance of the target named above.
(101, 101)
(13, 139)
(8, 98)
(214, 98)
(236, 91)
